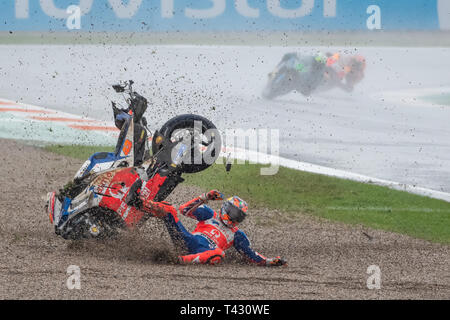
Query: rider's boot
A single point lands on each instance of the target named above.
(207, 257)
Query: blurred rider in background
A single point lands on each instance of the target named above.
(324, 70)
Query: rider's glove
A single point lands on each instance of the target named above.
(276, 262)
(212, 195)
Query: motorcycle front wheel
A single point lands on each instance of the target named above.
(279, 84)
(98, 223)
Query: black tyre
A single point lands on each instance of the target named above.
(205, 143)
(99, 223)
(279, 84)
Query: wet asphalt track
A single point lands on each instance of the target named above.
(361, 132)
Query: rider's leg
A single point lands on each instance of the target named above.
(214, 256)
(178, 233)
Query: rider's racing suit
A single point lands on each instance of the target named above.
(211, 237)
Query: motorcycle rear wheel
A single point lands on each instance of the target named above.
(208, 153)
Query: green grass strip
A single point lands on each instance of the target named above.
(77, 151)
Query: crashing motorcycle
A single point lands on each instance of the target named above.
(103, 197)
(308, 74)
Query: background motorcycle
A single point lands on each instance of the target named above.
(307, 74)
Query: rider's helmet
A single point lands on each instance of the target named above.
(233, 211)
(320, 58)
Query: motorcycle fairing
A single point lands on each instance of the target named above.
(101, 161)
(64, 213)
(153, 186)
(114, 193)
(96, 163)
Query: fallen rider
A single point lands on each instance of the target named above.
(215, 232)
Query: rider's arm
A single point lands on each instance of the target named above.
(193, 209)
(242, 245)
